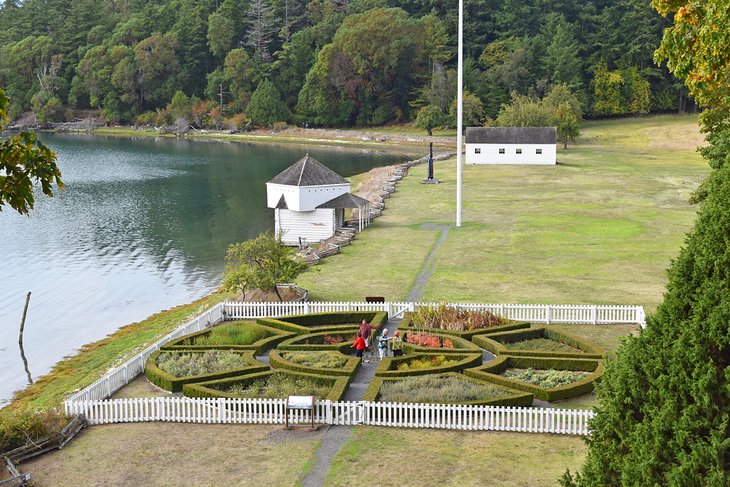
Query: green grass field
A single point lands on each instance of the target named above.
(599, 228)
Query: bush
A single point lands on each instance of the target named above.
(283, 385)
(325, 340)
(502, 344)
(173, 383)
(407, 323)
(412, 343)
(231, 336)
(448, 388)
(279, 386)
(324, 360)
(18, 426)
(208, 362)
(426, 363)
(457, 319)
(493, 372)
(545, 378)
(283, 360)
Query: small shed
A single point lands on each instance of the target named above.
(511, 145)
(309, 201)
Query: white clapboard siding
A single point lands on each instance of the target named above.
(273, 411)
(489, 154)
(312, 226)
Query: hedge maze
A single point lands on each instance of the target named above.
(312, 355)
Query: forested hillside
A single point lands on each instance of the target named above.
(241, 63)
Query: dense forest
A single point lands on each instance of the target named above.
(243, 63)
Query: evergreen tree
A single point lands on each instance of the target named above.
(266, 106)
(664, 414)
(562, 60)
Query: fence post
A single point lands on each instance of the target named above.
(548, 314)
(594, 314)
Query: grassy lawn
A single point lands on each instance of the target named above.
(179, 454)
(599, 228)
(412, 457)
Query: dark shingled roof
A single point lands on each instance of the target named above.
(347, 200)
(281, 205)
(308, 171)
(511, 135)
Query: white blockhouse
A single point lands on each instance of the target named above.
(511, 145)
(309, 201)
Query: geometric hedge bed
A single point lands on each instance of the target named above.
(315, 351)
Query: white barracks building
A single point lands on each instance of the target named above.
(309, 201)
(511, 145)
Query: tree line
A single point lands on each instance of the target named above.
(244, 63)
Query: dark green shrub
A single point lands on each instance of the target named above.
(492, 372)
(327, 340)
(201, 340)
(278, 360)
(389, 367)
(497, 343)
(175, 384)
(501, 396)
(213, 388)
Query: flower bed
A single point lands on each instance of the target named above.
(525, 343)
(315, 362)
(415, 341)
(454, 321)
(271, 384)
(171, 370)
(449, 388)
(326, 340)
(547, 378)
(578, 375)
(208, 362)
(427, 363)
(236, 335)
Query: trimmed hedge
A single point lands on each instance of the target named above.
(388, 367)
(297, 343)
(491, 372)
(257, 347)
(495, 343)
(175, 384)
(203, 389)
(514, 398)
(461, 345)
(407, 324)
(278, 362)
(302, 324)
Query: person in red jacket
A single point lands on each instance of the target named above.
(359, 345)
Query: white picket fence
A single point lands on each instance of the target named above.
(536, 313)
(273, 411)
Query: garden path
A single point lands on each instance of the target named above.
(337, 436)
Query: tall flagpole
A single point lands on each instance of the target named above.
(459, 112)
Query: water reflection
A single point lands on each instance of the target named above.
(142, 226)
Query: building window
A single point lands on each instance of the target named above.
(477, 150)
(518, 151)
(501, 151)
(538, 151)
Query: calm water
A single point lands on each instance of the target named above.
(142, 226)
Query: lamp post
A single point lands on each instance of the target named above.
(459, 112)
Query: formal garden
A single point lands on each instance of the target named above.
(452, 356)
